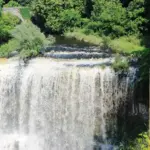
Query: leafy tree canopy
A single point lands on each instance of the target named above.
(7, 23)
(106, 17)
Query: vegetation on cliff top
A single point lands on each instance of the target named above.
(111, 24)
(27, 39)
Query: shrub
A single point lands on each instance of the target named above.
(81, 36)
(144, 65)
(30, 39)
(126, 44)
(142, 142)
(84, 22)
(7, 48)
(120, 64)
(94, 26)
(12, 4)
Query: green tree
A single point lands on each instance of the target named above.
(109, 17)
(66, 20)
(135, 13)
(113, 19)
(84, 7)
(52, 14)
(43, 8)
(79, 5)
(7, 23)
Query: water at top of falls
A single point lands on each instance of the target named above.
(50, 104)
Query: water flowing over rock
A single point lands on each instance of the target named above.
(60, 105)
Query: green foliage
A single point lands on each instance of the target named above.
(135, 12)
(105, 17)
(1, 2)
(142, 142)
(58, 15)
(54, 20)
(111, 18)
(79, 5)
(81, 36)
(30, 39)
(7, 48)
(7, 23)
(25, 12)
(48, 12)
(126, 44)
(144, 64)
(12, 4)
(69, 18)
(120, 64)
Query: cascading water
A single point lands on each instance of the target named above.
(58, 105)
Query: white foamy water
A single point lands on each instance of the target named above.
(50, 105)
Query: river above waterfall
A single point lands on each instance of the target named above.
(50, 104)
(62, 40)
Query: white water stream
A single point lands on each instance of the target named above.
(56, 105)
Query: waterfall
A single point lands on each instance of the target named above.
(59, 105)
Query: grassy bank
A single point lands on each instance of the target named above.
(7, 48)
(25, 12)
(119, 45)
(91, 39)
(27, 40)
(125, 44)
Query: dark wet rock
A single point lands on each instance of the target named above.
(75, 48)
(12, 54)
(76, 55)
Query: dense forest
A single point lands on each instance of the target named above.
(123, 26)
(100, 16)
(112, 18)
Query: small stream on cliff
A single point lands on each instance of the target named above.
(71, 99)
